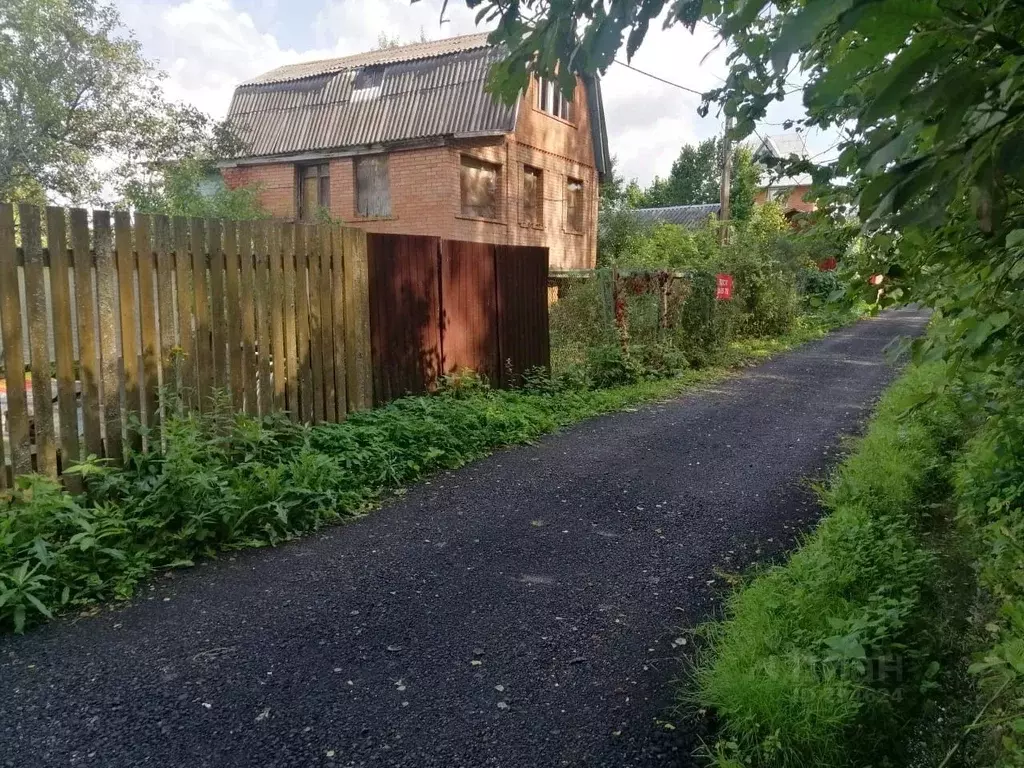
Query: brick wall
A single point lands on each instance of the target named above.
(793, 202)
(275, 182)
(425, 193)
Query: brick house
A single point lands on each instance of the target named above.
(788, 191)
(407, 141)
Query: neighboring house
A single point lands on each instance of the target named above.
(689, 216)
(788, 191)
(407, 140)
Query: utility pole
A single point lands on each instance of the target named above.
(724, 215)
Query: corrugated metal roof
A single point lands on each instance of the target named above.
(394, 55)
(690, 216)
(783, 146)
(417, 98)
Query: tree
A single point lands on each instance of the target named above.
(612, 188)
(386, 41)
(696, 177)
(192, 187)
(746, 179)
(81, 110)
(696, 174)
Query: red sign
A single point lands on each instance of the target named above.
(723, 291)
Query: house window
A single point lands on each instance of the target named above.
(314, 190)
(550, 99)
(533, 197)
(480, 188)
(574, 205)
(373, 192)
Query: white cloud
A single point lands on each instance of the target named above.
(208, 46)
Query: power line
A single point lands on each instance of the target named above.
(659, 79)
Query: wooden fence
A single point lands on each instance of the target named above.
(114, 314)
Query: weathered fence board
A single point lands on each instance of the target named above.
(148, 311)
(88, 357)
(262, 277)
(185, 361)
(218, 322)
(338, 321)
(248, 317)
(305, 406)
(14, 360)
(38, 332)
(234, 326)
(63, 335)
(123, 312)
(277, 315)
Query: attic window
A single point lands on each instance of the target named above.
(368, 83)
(550, 99)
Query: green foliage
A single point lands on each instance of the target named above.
(192, 187)
(75, 90)
(818, 660)
(226, 480)
(746, 180)
(990, 491)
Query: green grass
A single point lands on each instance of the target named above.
(227, 481)
(818, 661)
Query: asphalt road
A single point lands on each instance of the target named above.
(523, 611)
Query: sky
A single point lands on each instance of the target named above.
(207, 47)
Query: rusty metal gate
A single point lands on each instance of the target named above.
(439, 306)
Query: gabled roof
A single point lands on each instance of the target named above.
(412, 52)
(783, 146)
(690, 216)
(398, 96)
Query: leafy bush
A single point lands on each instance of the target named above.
(610, 366)
(817, 287)
(802, 671)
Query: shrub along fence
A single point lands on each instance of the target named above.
(121, 318)
(617, 323)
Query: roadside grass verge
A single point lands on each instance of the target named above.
(825, 660)
(226, 481)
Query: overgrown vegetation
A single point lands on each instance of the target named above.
(226, 480)
(652, 311)
(823, 660)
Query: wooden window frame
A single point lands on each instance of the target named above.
(538, 222)
(566, 223)
(322, 173)
(356, 161)
(499, 196)
(548, 99)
